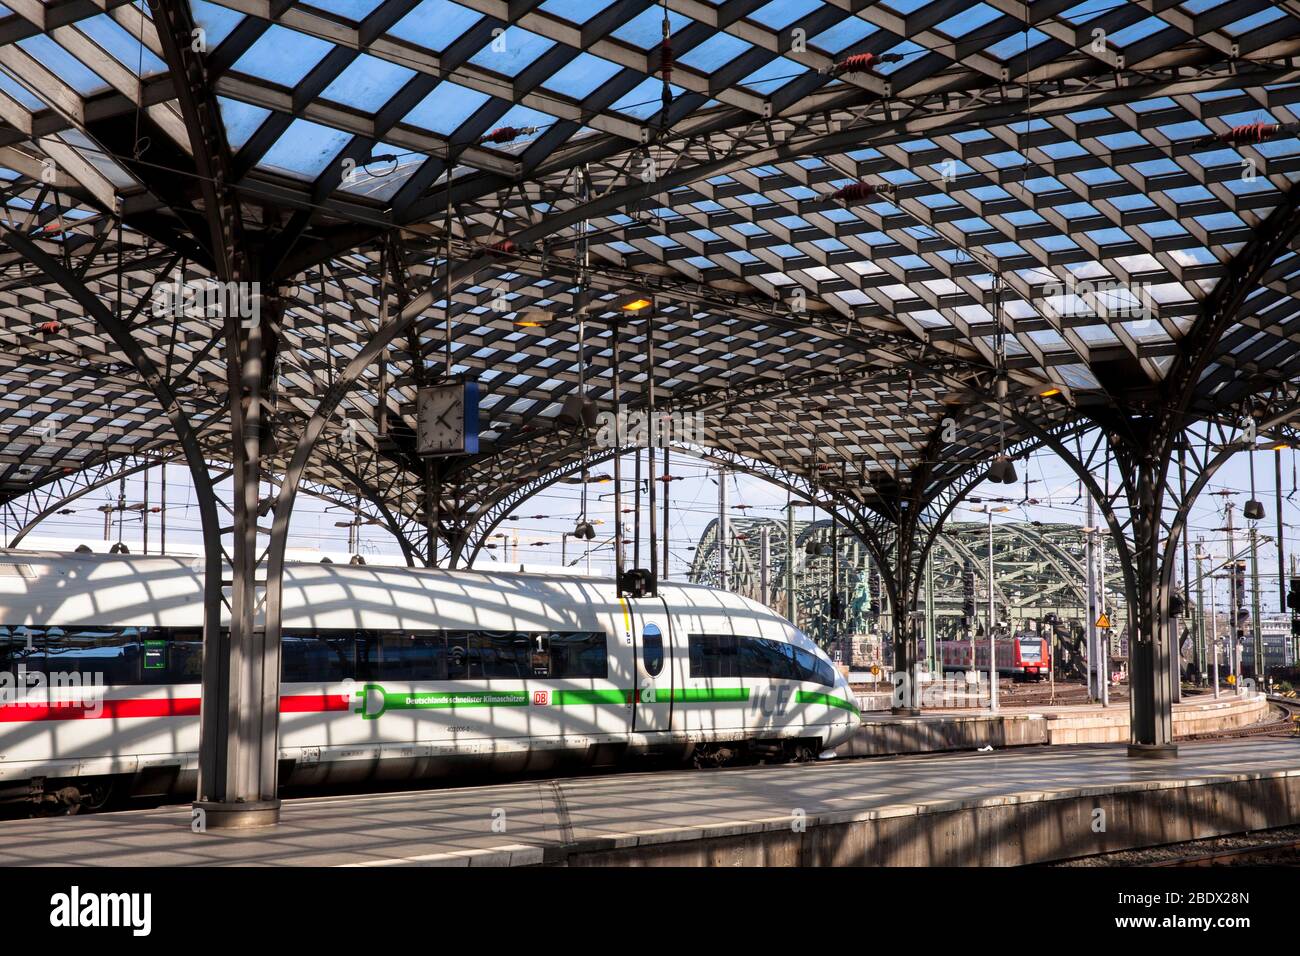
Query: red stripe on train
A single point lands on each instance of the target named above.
(155, 707)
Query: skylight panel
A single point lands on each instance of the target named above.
(1056, 243)
(1189, 129)
(241, 120)
(381, 179)
(216, 21)
(445, 108)
(773, 75)
(353, 10)
(282, 56)
(511, 52)
(905, 6)
(1255, 21)
(367, 83)
(1016, 44)
(781, 13)
(304, 149)
(1132, 201)
(102, 162)
(1138, 31)
(715, 52)
(581, 76)
(63, 64)
(575, 11)
(643, 100)
(646, 28)
(968, 20)
(21, 94)
(108, 34)
(435, 24)
(847, 33)
(1082, 12)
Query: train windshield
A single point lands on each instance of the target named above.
(1031, 649)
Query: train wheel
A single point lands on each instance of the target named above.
(712, 756)
(96, 796)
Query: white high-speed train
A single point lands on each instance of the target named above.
(391, 674)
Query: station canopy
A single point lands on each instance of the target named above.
(850, 219)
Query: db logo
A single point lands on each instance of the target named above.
(539, 697)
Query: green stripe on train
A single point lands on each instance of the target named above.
(437, 700)
(830, 700)
(718, 695)
(450, 700)
(571, 698)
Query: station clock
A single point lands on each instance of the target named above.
(447, 419)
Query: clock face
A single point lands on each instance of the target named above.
(447, 419)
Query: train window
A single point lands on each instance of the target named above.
(652, 650)
(184, 655)
(458, 655)
(111, 652)
(116, 655)
(414, 656)
(369, 656)
(760, 657)
(22, 647)
(501, 655)
(580, 654)
(811, 667)
(316, 656)
(713, 655)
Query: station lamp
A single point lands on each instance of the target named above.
(533, 318)
(1254, 509)
(635, 305)
(1002, 471)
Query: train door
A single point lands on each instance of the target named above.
(652, 650)
(710, 698)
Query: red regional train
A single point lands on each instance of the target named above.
(1026, 656)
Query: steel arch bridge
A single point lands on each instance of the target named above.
(1038, 570)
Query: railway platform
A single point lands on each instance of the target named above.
(999, 808)
(885, 734)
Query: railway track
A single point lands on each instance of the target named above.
(1286, 724)
(1287, 851)
(1280, 845)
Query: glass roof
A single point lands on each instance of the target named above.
(808, 192)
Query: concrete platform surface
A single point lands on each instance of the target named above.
(1019, 726)
(652, 814)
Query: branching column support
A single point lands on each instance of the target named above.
(1143, 442)
(239, 721)
(164, 394)
(1145, 445)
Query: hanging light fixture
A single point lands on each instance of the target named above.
(1254, 509)
(1001, 471)
(533, 318)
